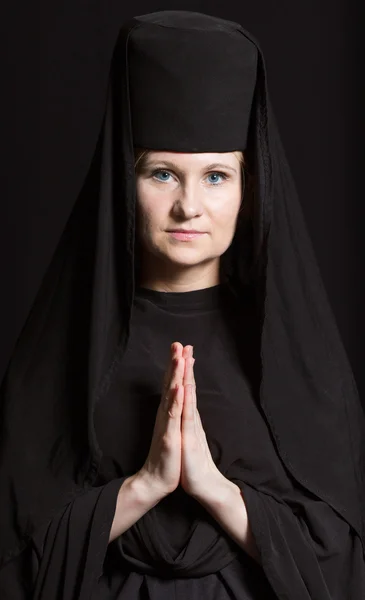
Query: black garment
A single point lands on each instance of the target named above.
(224, 334)
(156, 557)
(178, 538)
(73, 342)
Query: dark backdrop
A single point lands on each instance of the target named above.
(54, 86)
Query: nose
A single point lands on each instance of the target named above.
(188, 203)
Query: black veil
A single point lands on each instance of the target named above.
(78, 327)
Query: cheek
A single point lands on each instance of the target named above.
(145, 221)
(225, 216)
(150, 217)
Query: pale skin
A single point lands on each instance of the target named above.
(186, 194)
(179, 452)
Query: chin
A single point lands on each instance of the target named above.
(186, 259)
(184, 262)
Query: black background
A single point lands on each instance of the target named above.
(54, 73)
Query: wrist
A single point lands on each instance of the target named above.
(216, 492)
(146, 490)
(135, 498)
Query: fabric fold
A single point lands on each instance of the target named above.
(75, 546)
(308, 552)
(144, 547)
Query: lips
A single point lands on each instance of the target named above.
(185, 231)
(186, 235)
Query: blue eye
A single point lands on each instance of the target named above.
(217, 173)
(158, 173)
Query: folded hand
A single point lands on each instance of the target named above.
(198, 470)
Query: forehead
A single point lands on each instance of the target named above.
(193, 159)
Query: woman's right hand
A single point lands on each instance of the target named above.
(160, 474)
(162, 468)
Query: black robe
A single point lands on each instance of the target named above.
(295, 447)
(177, 550)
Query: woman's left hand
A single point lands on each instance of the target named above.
(199, 474)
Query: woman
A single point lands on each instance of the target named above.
(241, 476)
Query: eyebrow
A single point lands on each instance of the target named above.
(171, 165)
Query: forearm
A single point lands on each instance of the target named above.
(136, 497)
(224, 501)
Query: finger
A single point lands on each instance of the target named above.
(189, 372)
(188, 411)
(178, 372)
(178, 367)
(175, 352)
(187, 353)
(175, 408)
(177, 348)
(190, 402)
(200, 426)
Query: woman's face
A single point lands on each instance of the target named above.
(182, 191)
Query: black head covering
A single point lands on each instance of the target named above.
(187, 82)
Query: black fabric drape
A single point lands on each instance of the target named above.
(65, 558)
(76, 334)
